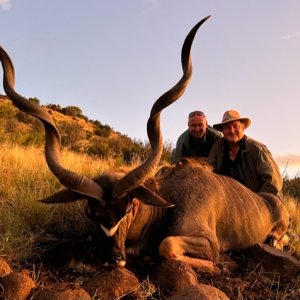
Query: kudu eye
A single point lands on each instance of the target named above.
(122, 205)
(89, 213)
(92, 213)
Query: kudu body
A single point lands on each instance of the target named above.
(184, 211)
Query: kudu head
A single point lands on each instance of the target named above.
(110, 198)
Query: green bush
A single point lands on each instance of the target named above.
(99, 147)
(96, 123)
(55, 107)
(89, 135)
(103, 130)
(6, 111)
(34, 100)
(73, 111)
(34, 138)
(291, 187)
(71, 133)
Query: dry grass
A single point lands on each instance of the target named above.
(25, 178)
(293, 207)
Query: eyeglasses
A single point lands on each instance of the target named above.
(196, 113)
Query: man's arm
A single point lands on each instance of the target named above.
(269, 173)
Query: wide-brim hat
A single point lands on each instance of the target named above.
(231, 116)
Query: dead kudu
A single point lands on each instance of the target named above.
(184, 212)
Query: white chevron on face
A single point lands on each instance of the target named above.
(110, 231)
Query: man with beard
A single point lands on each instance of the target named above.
(243, 158)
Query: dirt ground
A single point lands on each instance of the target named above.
(243, 276)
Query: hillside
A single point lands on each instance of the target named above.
(78, 133)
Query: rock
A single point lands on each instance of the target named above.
(199, 291)
(16, 286)
(4, 267)
(175, 275)
(112, 283)
(275, 261)
(62, 292)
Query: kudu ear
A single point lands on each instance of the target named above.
(63, 196)
(149, 197)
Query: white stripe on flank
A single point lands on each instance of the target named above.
(231, 191)
(258, 209)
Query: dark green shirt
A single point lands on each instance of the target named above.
(189, 146)
(233, 168)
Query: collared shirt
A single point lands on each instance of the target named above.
(259, 168)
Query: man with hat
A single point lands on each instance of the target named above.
(197, 140)
(242, 158)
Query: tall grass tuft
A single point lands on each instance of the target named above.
(293, 207)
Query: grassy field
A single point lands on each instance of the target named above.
(25, 178)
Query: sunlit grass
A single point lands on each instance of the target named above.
(24, 179)
(293, 208)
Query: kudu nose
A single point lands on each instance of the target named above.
(116, 259)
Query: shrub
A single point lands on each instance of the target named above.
(11, 125)
(24, 118)
(34, 138)
(134, 151)
(291, 187)
(71, 133)
(103, 130)
(99, 147)
(89, 135)
(14, 131)
(96, 123)
(73, 111)
(6, 111)
(55, 107)
(34, 100)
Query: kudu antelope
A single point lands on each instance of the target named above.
(184, 211)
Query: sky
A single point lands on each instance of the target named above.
(114, 58)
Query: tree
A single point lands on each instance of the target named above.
(71, 133)
(72, 111)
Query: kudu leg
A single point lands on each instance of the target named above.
(199, 252)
